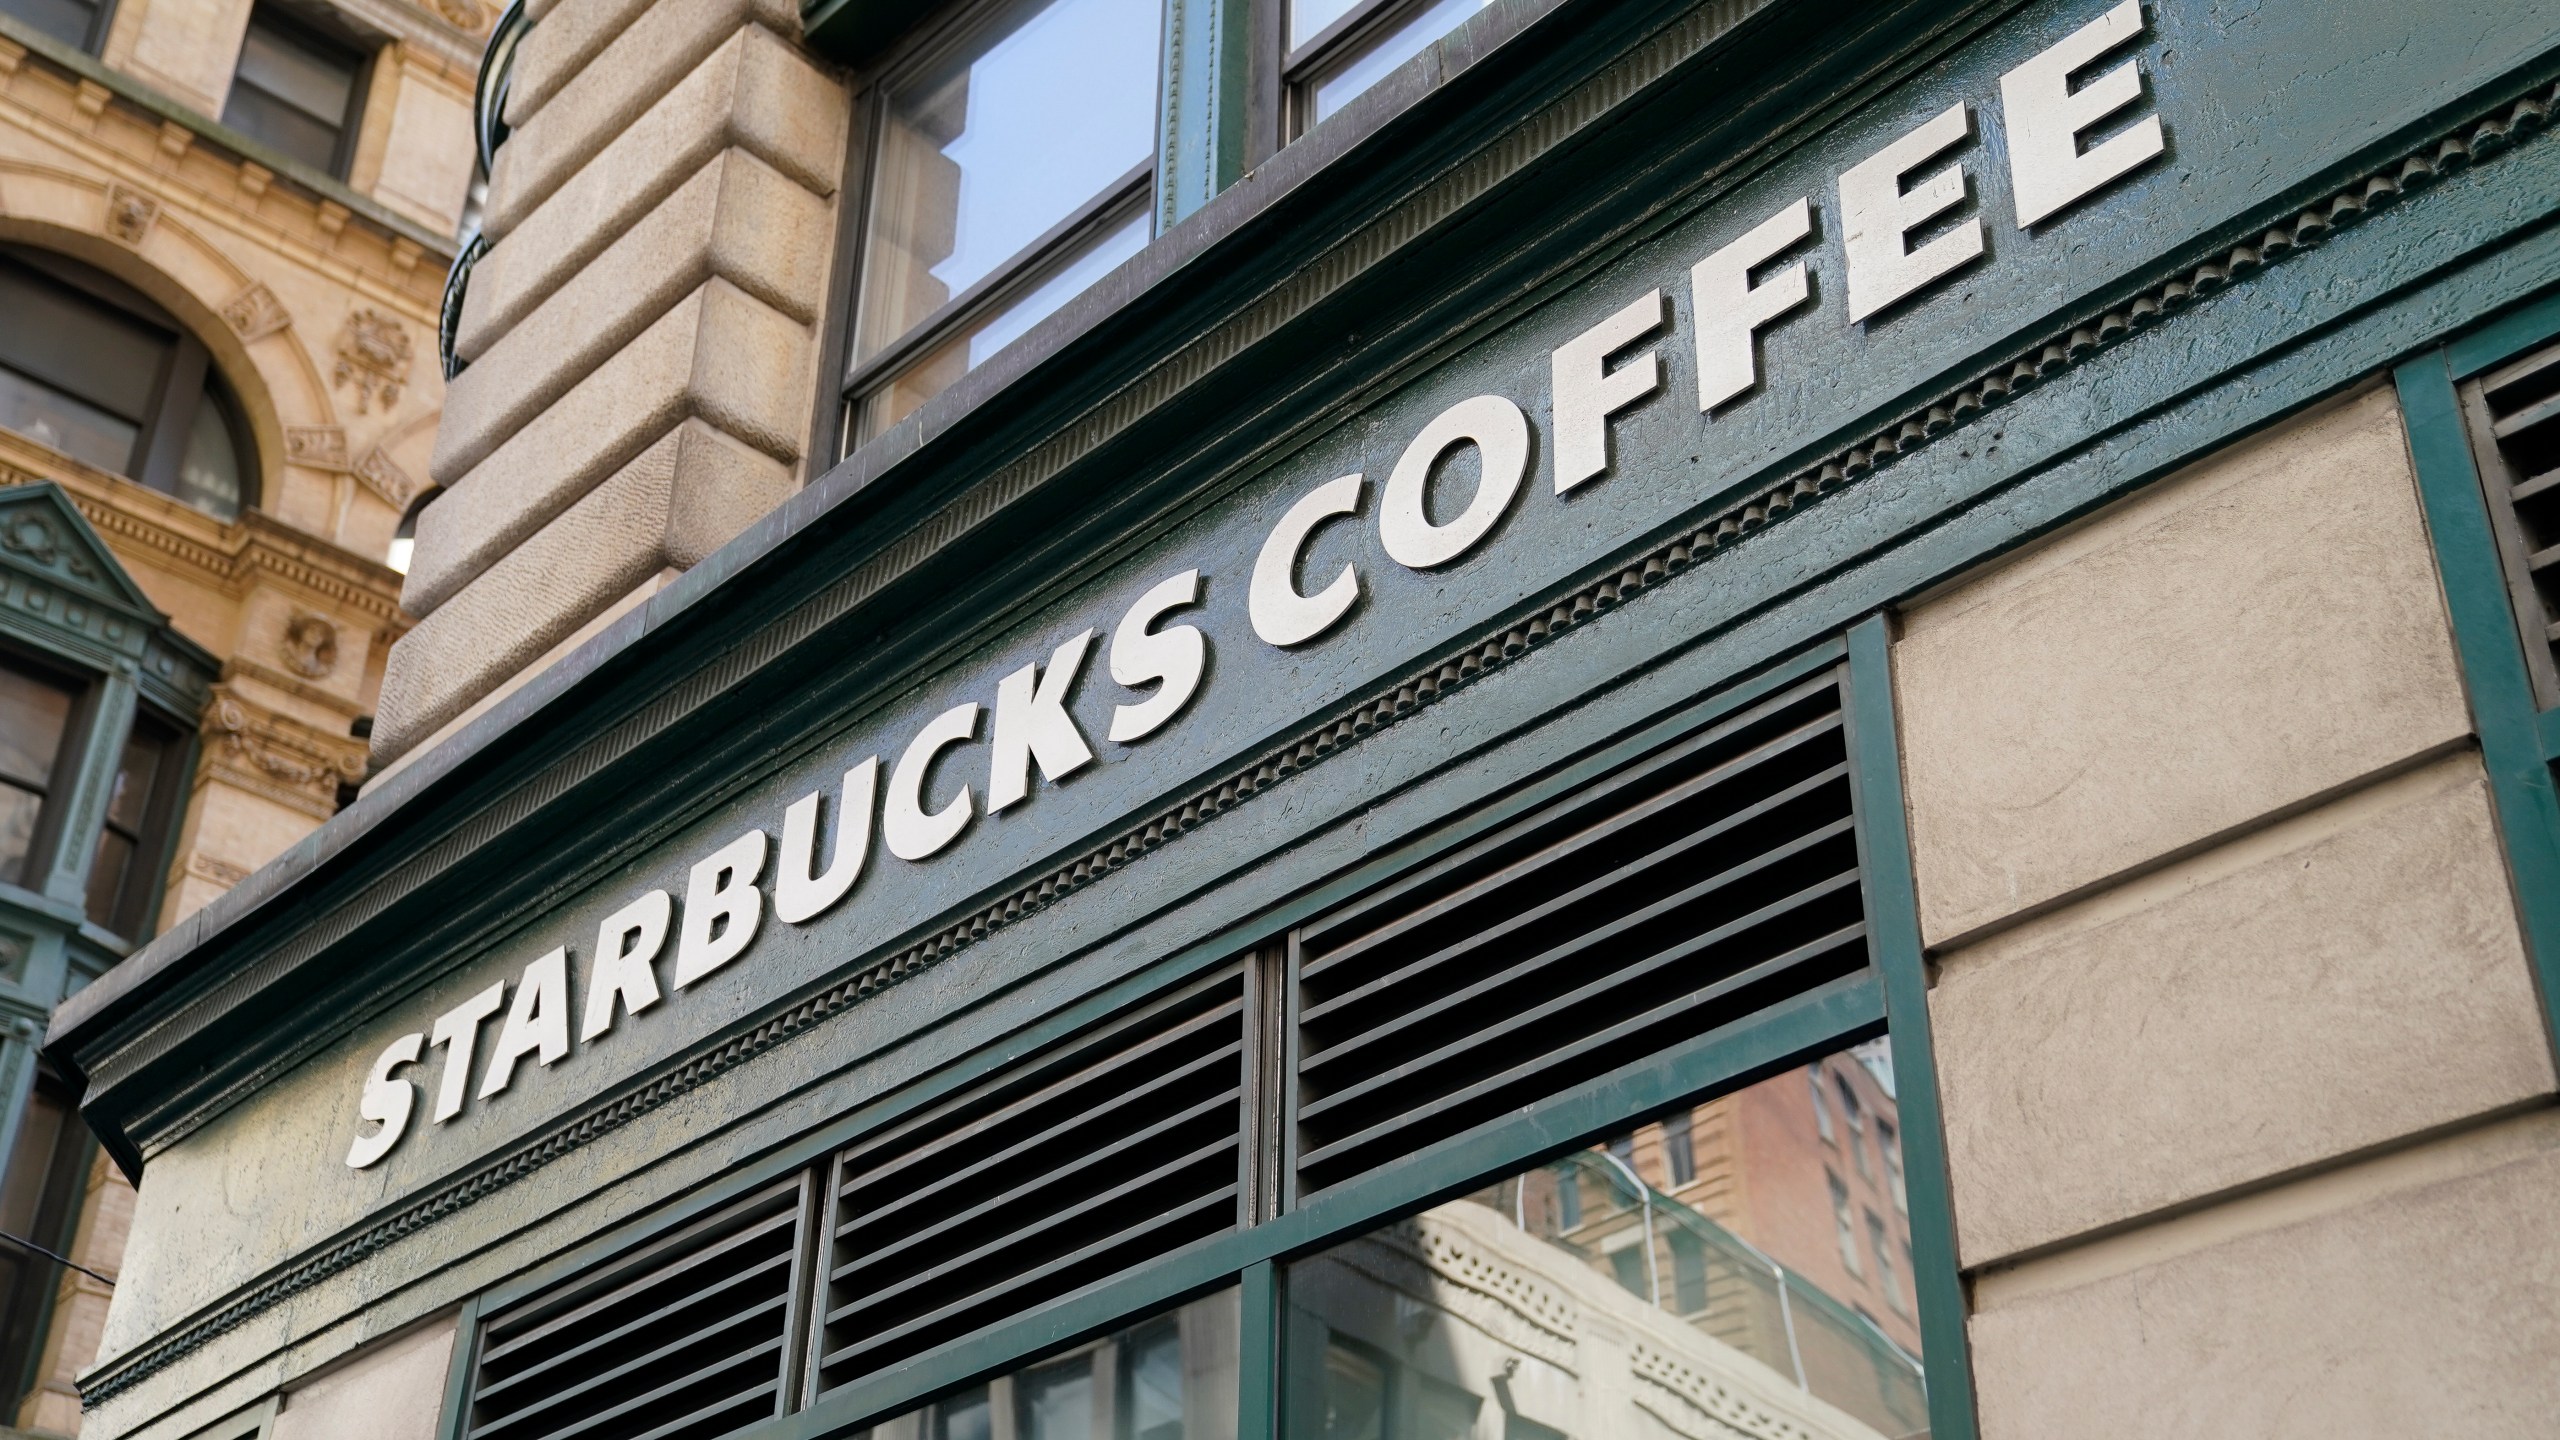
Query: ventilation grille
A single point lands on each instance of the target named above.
(684, 1341)
(2522, 405)
(1713, 878)
(1102, 1154)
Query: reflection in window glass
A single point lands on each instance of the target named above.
(209, 472)
(34, 711)
(1307, 18)
(1481, 1317)
(69, 21)
(1169, 1378)
(121, 869)
(1344, 80)
(988, 152)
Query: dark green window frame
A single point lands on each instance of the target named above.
(2519, 740)
(1888, 998)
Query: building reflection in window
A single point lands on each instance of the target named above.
(1601, 1295)
(1172, 1377)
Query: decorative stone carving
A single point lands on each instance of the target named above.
(310, 646)
(255, 313)
(468, 16)
(387, 479)
(130, 213)
(276, 756)
(29, 535)
(323, 447)
(373, 356)
(220, 872)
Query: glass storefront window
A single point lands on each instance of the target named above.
(1339, 76)
(1603, 1295)
(1008, 175)
(1171, 1377)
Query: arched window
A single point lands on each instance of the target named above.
(404, 541)
(93, 369)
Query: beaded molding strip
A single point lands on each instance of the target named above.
(2479, 140)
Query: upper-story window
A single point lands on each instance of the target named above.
(124, 870)
(1339, 48)
(35, 713)
(80, 24)
(95, 371)
(298, 90)
(1011, 168)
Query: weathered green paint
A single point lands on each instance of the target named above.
(1258, 1353)
(1208, 59)
(2502, 339)
(2512, 743)
(1893, 920)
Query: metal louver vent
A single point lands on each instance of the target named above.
(2518, 408)
(1106, 1151)
(1712, 877)
(684, 1340)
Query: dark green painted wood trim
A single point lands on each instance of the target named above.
(2513, 737)
(1208, 58)
(2551, 736)
(1258, 1354)
(457, 1372)
(1893, 921)
(1847, 1009)
(2499, 340)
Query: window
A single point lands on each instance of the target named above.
(404, 540)
(124, 872)
(35, 710)
(1890, 1143)
(1886, 1279)
(39, 1201)
(1844, 1225)
(1011, 170)
(1821, 1107)
(297, 90)
(1679, 1150)
(1339, 48)
(97, 372)
(80, 24)
(1857, 1116)
(1170, 1378)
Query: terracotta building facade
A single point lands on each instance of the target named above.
(1386, 720)
(224, 233)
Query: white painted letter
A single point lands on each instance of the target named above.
(1731, 311)
(909, 832)
(458, 1031)
(1032, 724)
(799, 894)
(1177, 655)
(1500, 434)
(386, 1102)
(1877, 215)
(1282, 614)
(721, 889)
(2045, 116)
(625, 962)
(537, 1024)
(1587, 392)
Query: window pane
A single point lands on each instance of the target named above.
(1307, 18)
(76, 428)
(975, 343)
(65, 20)
(1172, 1377)
(109, 870)
(18, 811)
(209, 474)
(1346, 79)
(1454, 1322)
(315, 81)
(116, 878)
(76, 345)
(33, 712)
(987, 153)
(263, 117)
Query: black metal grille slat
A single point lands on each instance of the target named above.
(1757, 975)
(1718, 874)
(2516, 428)
(1779, 910)
(699, 1321)
(1580, 939)
(1099, 1116)
(1094, 1154)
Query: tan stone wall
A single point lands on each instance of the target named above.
(642, 336)
(390, 1390)
(2247, 1096)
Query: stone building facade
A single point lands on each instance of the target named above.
(224, 233)
(1320, 756)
